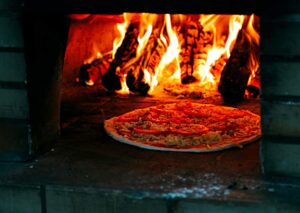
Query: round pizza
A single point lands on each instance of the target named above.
(185, 127)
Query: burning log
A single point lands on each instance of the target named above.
(190, 33)
(112, 78)
(91, 73)
(195, 47)
(218, 66)
(149, 61)
(135, 82)
(253, 88)
(203, 44)
(155, 52)
(235, 75)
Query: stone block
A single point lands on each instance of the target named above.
(232, 206)
(21, 199)
(14, 103)
(71, 200)
(14, 140)
(145, 205)
(89, 200)
(281, 157)
(280, 78)
(11, 35)
(280, 118)
(280, 37)
(12, 67)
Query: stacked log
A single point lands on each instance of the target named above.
(195, 44)
(112, 78)
(92, 73)
(149, 61)
(194, 49)
(235, 75)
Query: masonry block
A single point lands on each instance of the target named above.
(129, 205)
(214, 206)
(280, 118)
(280, 36)
(63, 199)
(20, 199)
(14, 140)
(12, 67)
(11, 30)
(280, 78)
(68, 200)
(281, 157)
(14, 103)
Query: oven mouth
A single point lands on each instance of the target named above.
(118, 51)
(148, 54)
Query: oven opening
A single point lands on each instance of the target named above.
(115, 64)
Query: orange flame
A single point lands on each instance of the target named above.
(172, 52)
(124, 88)
(122, 29)
(254, 38)
(223, 29)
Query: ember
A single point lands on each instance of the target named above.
(196, 55)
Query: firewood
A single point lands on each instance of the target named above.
(189, 34)
(195, 46)
(149, 61)
(135, 83)
(91, 73)
(155, 52)
(235, 75)
(203, 43)
(126, 52)
(218, 66)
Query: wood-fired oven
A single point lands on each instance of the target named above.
(54, 92)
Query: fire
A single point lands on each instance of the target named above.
(122, 30)
(165, 49)
(125, 89)
(171, 55)
(254, 60)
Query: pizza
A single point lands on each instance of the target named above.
(185, 127)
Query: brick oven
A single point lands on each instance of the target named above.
(55, 156)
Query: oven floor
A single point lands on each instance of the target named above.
(87, 171)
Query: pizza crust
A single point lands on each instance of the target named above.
(109, 126)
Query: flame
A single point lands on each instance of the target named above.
(254, 38)
(172, 53)
(221, 29)
(210, 23)
(150, 80)
(147, 21)
(122, 30)
(124, 88)
(236, 23)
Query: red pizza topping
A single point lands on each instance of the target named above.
(186, 126)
